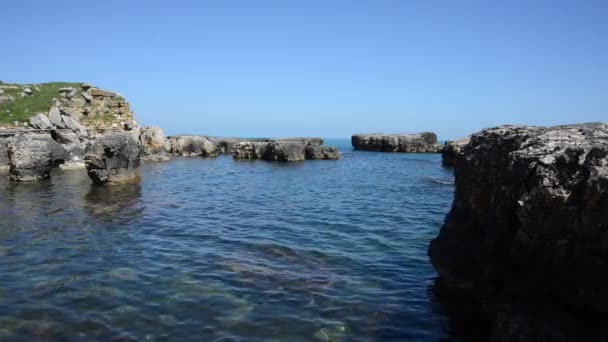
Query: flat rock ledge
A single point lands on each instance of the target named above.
(425, 142)
(529, 226)
(285, 150)
(114, 159)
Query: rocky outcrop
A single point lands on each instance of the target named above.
(4, 160)
(451, 150)
(113, 159)
(425, 142)
(192, 145)
(95, 108)
(285, 150)
(529, 223)
(250, 150)
(32, 155)
(41, 121)
(321, 152)
(152, 140)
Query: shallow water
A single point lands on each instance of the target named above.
(216, 249)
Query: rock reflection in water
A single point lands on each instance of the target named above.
(119, 202)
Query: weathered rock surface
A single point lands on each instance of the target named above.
(4, 160)
(425, 142)
(113, 159)
(55, 117)
(32, 155)
(152, 140)
(41, 121)
(192, 145)
(530, 222)
(321, 152)
(284, 150)
(250, 150)
(6, 99)
(451, 150)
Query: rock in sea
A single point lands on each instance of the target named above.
(450, 152)
(32, 155)
(114, 158)
(425, 142)
(529, 222)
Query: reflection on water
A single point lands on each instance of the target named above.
(208, 249)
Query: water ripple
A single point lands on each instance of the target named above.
(218, 250)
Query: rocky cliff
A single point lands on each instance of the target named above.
(425, 142)
(529, 224)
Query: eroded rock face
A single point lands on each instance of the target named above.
(321, 152)
(285, 151)
(114, 158)
(41, 121)
(32, 155)
(152, 140)
(425, 142)
(530, 218)
(4, 160)
(451, 150)
(192, 145)
(250, 150)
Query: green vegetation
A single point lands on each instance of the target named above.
(25, 107)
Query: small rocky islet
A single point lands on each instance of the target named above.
(525, 238)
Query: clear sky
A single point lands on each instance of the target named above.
(322, 67)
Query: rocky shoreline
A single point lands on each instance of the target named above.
(526, 235)
(87, 127)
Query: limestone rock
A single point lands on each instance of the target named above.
(6, 99)
(74, 125)
(85, 86)
(530, 217)
(187, 145)
(71, 142)
(321, 152)
(86, 96)
(152, 140)
(285, 151)
(304, 141)
(27, 91)
(425, 142)
(250, 150)
(4, 160)
(55, 117)
(41, 121)
(32, 155)
(113, 158)
(450, 152)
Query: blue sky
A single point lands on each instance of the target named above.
(322, 68)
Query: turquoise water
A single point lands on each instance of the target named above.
(216, 249)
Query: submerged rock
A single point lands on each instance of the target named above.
(4, 160)
(425, 142)
(530, 220)
(114, 158)
(32, 156)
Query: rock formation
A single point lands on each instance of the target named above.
(529, 225)
(285, 150)
(152, 141)
(321, 152)
(114, 158)
(31, 156)
(425, 142)
(192, 145)
(451, 150)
